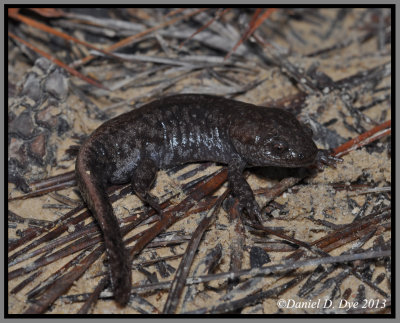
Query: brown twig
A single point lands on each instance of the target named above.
(364, 139)
(254, 24)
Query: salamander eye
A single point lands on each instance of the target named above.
(279, 147)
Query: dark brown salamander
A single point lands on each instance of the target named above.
(180, 129)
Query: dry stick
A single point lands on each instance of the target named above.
(364, 230)
(27, 235)
(125, 230)
(58, 62)
(168, 242)
(25, 282)
(142, 306)
(45, 190)
(278, 189)
(341, 44)
(203, 205)
(356, 235)
(127, 227)
(127, 41)
(218, 15)
(92, 299)
(183, 271)
(344, 235)
(54, 180)
(356, 273)
(64, 199)
(310, 246)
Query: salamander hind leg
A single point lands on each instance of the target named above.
(143, 180)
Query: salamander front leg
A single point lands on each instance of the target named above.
(242, 190)
(142, 182)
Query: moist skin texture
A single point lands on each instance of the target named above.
(181, 129)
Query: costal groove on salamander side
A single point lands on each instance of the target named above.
(176, 130)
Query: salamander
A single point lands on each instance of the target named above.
(180, 129)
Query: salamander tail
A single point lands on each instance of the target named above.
(98, 203)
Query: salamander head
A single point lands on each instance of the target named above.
(274, 137)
